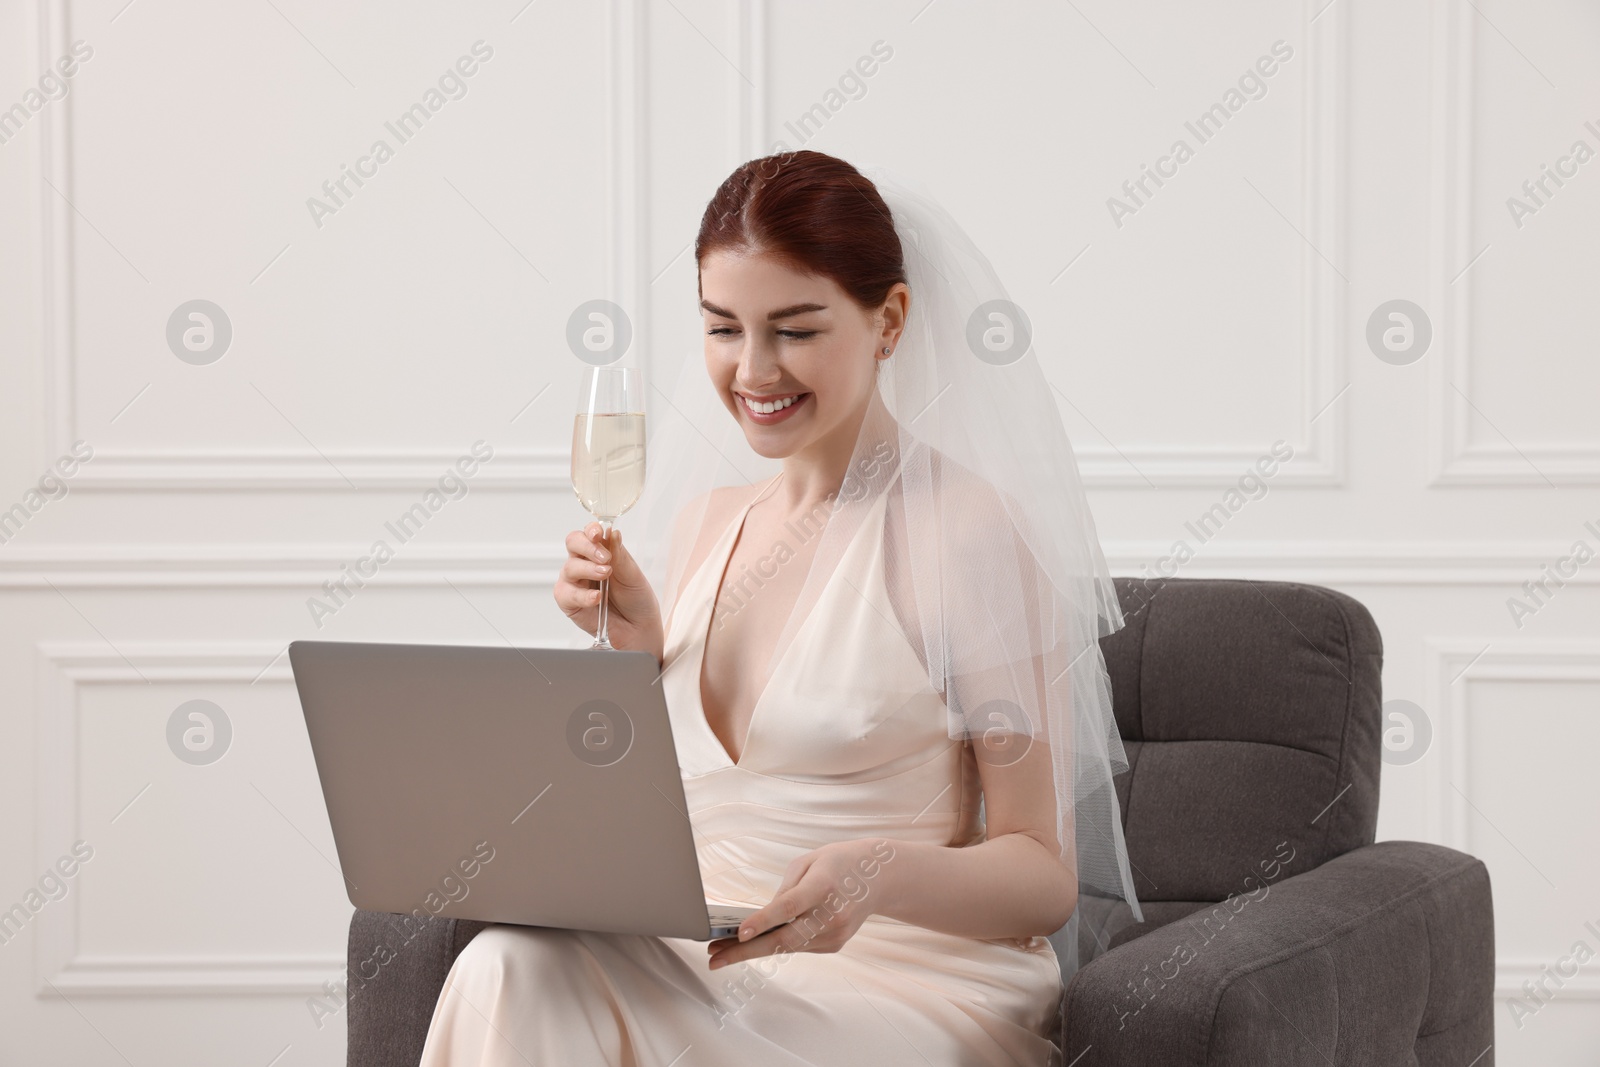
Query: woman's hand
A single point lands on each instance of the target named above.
(825, 897)
(635, 621)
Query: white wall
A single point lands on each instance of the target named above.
(1229, 312)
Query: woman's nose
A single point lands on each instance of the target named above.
(758, 363)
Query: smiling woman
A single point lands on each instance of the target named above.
(916, 691)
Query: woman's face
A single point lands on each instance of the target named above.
(775, 335)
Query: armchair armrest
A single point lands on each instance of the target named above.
(1384, 955)
(397, 966)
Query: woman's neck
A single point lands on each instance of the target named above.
(813, 476)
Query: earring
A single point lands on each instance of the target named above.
(886, 351)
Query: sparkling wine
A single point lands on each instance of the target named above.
(608, 462)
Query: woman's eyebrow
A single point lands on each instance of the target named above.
(781, 313)
(794, 309)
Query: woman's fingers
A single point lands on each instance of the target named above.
(573, 600)
(814, 910)
(576, 570)
(585, 543)
(633, 605)
(582, 566)
(573, 593)
(782, 939)
(788, 902)
(771, 917)
(786, 924)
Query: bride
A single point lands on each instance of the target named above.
(868, 571)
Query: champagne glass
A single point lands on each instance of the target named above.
(608, 456)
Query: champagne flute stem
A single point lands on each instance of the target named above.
(601, 640)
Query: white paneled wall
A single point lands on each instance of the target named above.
(382, 327)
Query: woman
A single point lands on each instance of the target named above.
(880, 661)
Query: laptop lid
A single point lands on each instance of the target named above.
(532, 786)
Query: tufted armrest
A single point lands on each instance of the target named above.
(1384, 955)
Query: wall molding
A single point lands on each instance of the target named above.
(63, 669)
(749, 99)
(173, 976)
(543, 470)
(627, 170)
(537, 564)
(1429, 563)
(225, 566)
(1451, 666)
(273, 470)
(1453, 457)
(1510, 974)
(1319, 458)
(57, 342)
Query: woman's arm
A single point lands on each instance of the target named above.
(1013, 884)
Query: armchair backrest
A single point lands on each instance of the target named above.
(1252, 716)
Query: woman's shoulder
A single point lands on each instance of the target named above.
(971, 508)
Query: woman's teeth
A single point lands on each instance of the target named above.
(772, 406)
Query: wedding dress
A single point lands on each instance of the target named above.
(848, 740)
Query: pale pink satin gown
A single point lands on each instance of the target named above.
(848, 740)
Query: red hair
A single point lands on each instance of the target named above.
(814, 212)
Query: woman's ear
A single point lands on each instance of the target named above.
(896, 307)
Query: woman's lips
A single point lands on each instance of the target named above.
(764, 419)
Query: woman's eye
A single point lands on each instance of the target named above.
(787, 335)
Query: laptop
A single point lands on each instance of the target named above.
(533, 786)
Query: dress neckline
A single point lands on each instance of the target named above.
(736, 527)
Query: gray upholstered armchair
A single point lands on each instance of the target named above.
(1275, 931)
